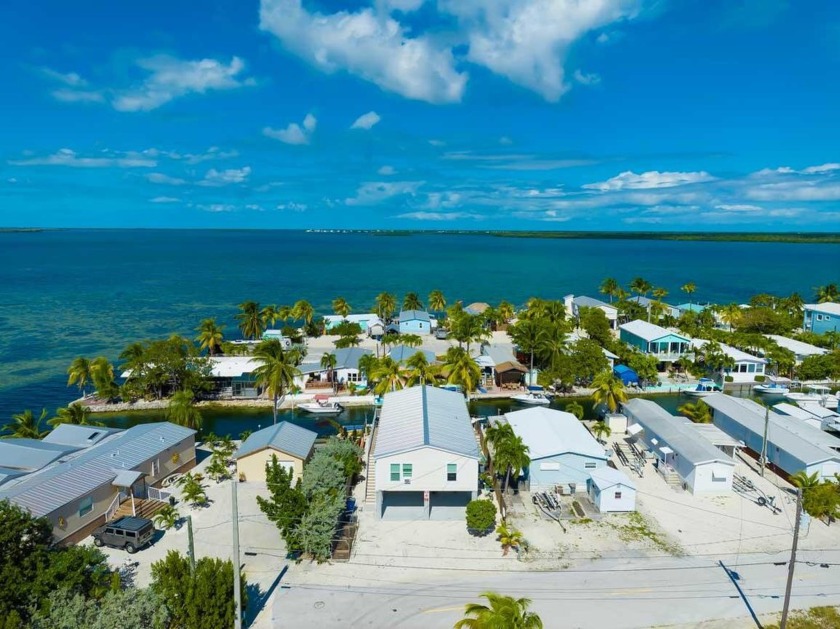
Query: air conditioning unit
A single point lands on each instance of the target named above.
(407, 481)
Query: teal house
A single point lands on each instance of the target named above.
(415, 322)
(821, 318)
(655, 340)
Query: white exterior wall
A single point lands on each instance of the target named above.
(700, 481)
(826, 469)
(428, 471)
(738, 376)
(607, 502)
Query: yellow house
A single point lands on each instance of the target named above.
(291, 444)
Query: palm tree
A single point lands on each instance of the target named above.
(341, 307)
(828, 293)
(640, 286)
(529, 336)
(601, 430)
(192, 492)
(412, 302)
(328, 362)
(609, 287)
(504, 612)
(75, 414)
(609, 390)
(102, 374)
(210, 336)
(182, 411)
(78, 373)
(495, 434)
(421, 371)
(389, 376)
(731, 314)
(277, 370)
(698, 412)
(576, 409)
(688, 288)
(367, 365)
(303, 311)
(508, 538)
(217, 470)
(553, 349)
(167, 517)
(511, 455)
(386, 303)
(410, 340)
(462, 369)
(25, 426)
(805, 481)
(659, 294)
(269, 315)
(506, 312)
(437, 301)
(467, 328)
(250, 321)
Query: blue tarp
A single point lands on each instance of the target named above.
(627, 375)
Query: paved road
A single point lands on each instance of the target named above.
(629, 594)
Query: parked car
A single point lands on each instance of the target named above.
(126, 532)
(441, 334)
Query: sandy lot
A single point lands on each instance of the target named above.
(213, 537)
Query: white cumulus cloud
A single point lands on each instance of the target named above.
(629, 180)
(586, 79)
(373, 192)
(69, 157)
(368, 44)
(224, 177)
(165, 200)
(294, 133)
(366, 121)
(387, 170)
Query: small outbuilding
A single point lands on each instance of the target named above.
(611, 490)
(626, 375)
(291, 444)
(415, 322)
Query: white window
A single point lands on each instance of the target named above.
(353, 376)
(395, 472)
(618, 495)
(549, 466)
(85, 506)
(451, 472)
(751, 367)
(589, 466)
(407, 470)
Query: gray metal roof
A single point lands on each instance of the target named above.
(53, 487)
(7, 473)
(649, 331)
(31, 454)
(591, 302)
(78, 436)
(682, 439)
(346, 358)
(548, 432)
(425, 416)
(606, 477)
(414, 315)
(401, 353)
(499, 354)
(801, 440)
(285, 437)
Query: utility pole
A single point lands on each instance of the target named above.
(763, 460)
(237, 585)
(789, 585)
(191, 550)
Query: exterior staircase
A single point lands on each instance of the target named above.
(144, 508)
(672, 478)
(370, 469)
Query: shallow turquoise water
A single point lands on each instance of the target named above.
(90, 292)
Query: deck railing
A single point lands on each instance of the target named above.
(115, 504)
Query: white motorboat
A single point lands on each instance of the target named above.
(532, 397)
(321, 406)
(814, 393)
(705, 387)
(771, 388)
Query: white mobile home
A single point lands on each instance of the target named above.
(562, 450)
(683, 455)
(792, 445)
(425, 455)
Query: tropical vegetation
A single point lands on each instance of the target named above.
(500, 612)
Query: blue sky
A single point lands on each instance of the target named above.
(411, 114)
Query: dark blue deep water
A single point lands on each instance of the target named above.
(91, 292)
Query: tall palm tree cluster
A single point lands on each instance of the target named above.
(540, 333)
(26, 425)
(386, 374)
(506, 453)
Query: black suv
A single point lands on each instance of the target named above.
(126, 532)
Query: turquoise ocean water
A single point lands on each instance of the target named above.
(91, 292)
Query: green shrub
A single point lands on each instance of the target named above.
(728, 379)
(481, 516)
(759, 378)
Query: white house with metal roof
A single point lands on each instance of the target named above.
(425, 455)
(683, 456)
(611, 490)
(78, 490)
(745, 366)
(346, 368)
(792, 444)
(800, 350)
(574, 304)
(290, 443)
(363, 320)
(561, 449)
